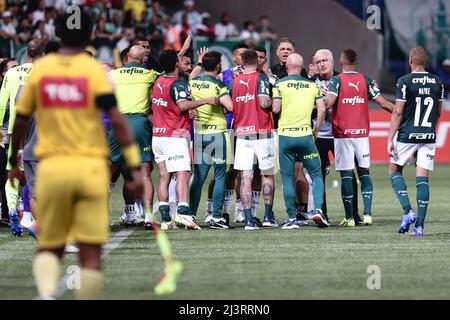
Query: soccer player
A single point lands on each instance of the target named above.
(415, 117)
(210, 140)
(171, 134)
(133, 84)
(254, 126)
(286, 46)
(348, 97)
(67, 90)
(14, 79)
(294, 98)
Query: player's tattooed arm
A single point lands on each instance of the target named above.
(320, 105)
(246, 188)
(186, 105)
(198, 68)
(276, 105)
(265, 102)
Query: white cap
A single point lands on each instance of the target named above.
(188, 2)
(446, 62)
(6, 14)
(205, 15)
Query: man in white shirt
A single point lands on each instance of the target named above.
(225, 29)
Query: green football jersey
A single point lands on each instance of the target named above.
(208, 118)
(421, 92)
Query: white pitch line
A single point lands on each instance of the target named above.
(112, 244)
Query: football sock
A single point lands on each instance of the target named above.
(256, 195)
(183, 208)
(399, 186)
(248, 214)
(219, 193)
(268, 211)
(164, 209)
(227, 201)
(347, 192)
(423, 196)
(367, 192)
(12, 193)
(148, 214)
(90, 285)
(303, 207)
(209, 206)
(46, 273)
(318, 186)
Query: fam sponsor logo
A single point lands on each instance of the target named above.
(355, 131)
(175, 158)
(424, 80)
(311, 156)
(421, 136)
(248, 97)
(132, 70)
(354, 100)
(159, 102)
(245, 129)
(159, 130)
(208, 127)
(298, 85)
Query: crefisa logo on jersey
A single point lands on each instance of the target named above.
(200, 85)
(298, 85)
(424, 80)
(132, 70)
(159, 102)
(248, 97)
(354, 100)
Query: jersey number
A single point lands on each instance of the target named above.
(428, 102)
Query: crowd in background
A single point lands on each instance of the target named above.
(118, 22)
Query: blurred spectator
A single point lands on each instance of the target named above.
(40, 32)
(156, 34)
(136, 7)
(205, 29)
(50, 17)
(225, 29)
(193, 17)
(7, 33)
(184, 29)
(39, 13)
(156, 9)
(444, 73)
(249, 34)
(264, 29)
(125, 41)
(25, 31)
(172, 37)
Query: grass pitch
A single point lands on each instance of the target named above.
(308, 263)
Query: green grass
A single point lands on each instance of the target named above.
(309, 263)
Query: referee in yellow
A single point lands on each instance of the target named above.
(68, 90)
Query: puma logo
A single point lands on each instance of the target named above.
(160, 88)
(354, 85)
(245, 83)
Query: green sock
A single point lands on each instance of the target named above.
(164, 209)
(367, 192)
(399, 186)
(183, 208)
(347, 192)
(248, 214)
(423, 196)
(268, 211)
